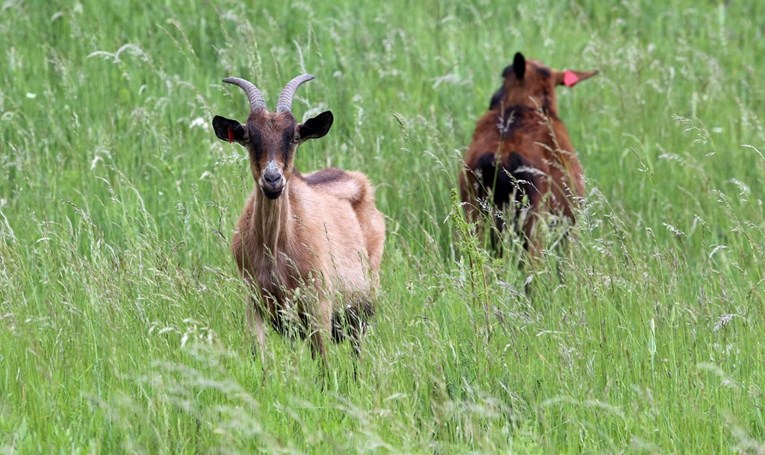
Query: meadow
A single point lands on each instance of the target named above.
(122, 314)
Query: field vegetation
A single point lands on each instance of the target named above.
(122, 316)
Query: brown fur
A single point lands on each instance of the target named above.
(313, 253)
(522, 127)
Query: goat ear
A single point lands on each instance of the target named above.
(519, 65)
(570, 78)
(315, 127)
(228, 130)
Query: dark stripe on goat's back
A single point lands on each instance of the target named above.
(514, 118)
(519, 111)
(544, 72)
(328, 175)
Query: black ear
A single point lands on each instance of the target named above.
(316, 127)
(228, 130)
(519, 65)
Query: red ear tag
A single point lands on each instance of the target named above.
(570, 78)
(230, 135)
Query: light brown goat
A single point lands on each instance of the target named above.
(521, 164)
(310, 245)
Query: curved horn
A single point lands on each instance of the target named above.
(285, 98)
(253, 93)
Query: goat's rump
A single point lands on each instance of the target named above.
(508, 182)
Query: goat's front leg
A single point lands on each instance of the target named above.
(320, 326)
(256, 324)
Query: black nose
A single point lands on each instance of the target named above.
(272, 178)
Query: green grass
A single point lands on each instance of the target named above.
(122, 317)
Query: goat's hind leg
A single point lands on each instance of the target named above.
(356, 318)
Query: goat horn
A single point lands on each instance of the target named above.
(253, 93)
(285, 98)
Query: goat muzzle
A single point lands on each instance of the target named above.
(272, 183)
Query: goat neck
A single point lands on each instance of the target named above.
(271, 220)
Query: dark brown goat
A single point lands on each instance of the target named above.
(521, 165)
(310, 245)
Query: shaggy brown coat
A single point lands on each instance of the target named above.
(310, 246)
(538, 171)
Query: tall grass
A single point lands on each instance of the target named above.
(121, 313)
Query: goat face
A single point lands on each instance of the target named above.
(530, 83)
(271, 138)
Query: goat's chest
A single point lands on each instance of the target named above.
(273, 273)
